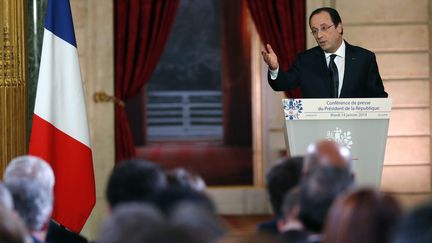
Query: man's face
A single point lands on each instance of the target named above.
(327, 35)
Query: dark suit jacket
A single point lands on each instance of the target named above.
(269, 226)
(59, 234)
(310, 72)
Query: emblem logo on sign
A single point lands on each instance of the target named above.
(340, 137)
(292, 109)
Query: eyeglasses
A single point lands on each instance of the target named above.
(323, 29)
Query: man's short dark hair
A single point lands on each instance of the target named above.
(169, 198)
(334, 15)
(134, 180)
(281, 179)
(131, 222)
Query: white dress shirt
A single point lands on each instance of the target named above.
(340, 63)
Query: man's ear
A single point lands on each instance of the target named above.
(339, 28)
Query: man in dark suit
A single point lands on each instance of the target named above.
(333, 69)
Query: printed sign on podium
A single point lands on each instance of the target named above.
(360, 124)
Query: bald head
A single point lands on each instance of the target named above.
(326, 153)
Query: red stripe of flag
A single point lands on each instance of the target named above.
(72, 162)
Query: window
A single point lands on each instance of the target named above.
(184, 98)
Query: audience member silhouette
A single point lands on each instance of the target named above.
(33, 203)
(31, 182)
(184, 178)
(59, 234)
(32, 168)
(169, 234)
(131, 222)
(326, 175)
(290, 227)
(364, 215)
(6, 200)
(12, 229)
(150, 205)
(281, 178)
(37, 170)
(416, 226)
(318, 190)
(169, 198)
(134, 180)
(199, 220)
(326, 153)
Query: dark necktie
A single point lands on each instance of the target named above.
(334, 76)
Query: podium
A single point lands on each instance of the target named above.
(360, 124)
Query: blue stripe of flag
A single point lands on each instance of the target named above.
(59, 21)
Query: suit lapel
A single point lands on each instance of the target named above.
(349, 62)
(322, 68)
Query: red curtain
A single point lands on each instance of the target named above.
(281, 23)
(236, 74)
(141, 29)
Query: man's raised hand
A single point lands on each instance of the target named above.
(270, 57)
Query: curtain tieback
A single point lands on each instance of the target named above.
(101, 96)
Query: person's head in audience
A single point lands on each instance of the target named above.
(281, 178)
(318, 190)
(415, 226)
(131, 222)
(30, 180)
(12, 229)
(134, 180)
(169, 234)
(169, 198)
(32, 168)
(33, 202)
(184, 178)
(326, 153)
(363, 215)
(6, 200)
(198, 220)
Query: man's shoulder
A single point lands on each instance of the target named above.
(311, 53)
(358, 50)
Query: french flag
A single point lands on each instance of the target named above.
(60, 131)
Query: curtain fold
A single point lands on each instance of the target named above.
(236, 74)
(141, 30)
(282, 24)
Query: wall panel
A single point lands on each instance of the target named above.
(407, 150)
(411, 93)
(409, 65)
(410, 37)
(411, 121)
(406, 179)
(383, 11)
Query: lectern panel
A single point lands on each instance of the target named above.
(362, 129)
